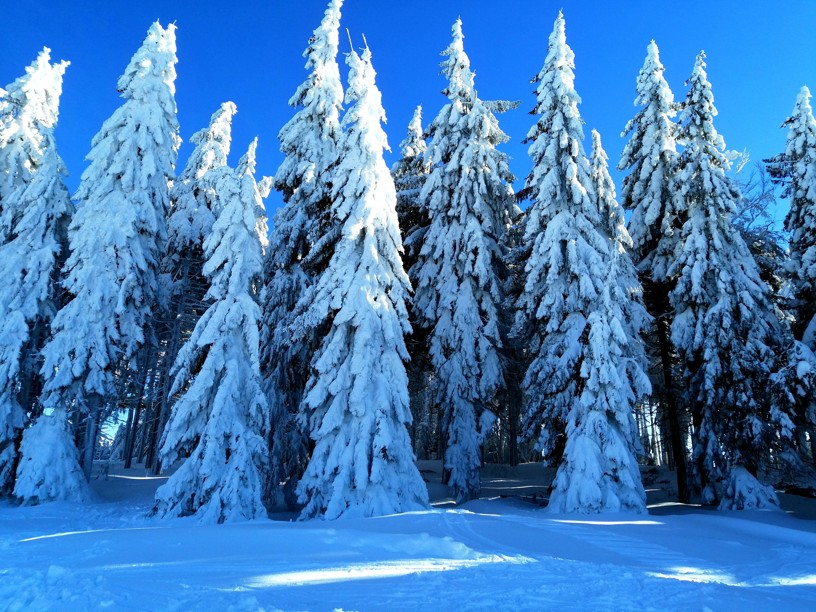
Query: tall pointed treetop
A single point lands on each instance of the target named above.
(409, 175)
(697, 116)
(649, 157)
(155, 59)
(611, 212)
(457, 68)
(414, 143)
(560, 171)
(800, 170)
(37, 93)
(29, 108)
(191, 215)
(308, 139)
(213, 142)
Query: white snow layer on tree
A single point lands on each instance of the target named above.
(356, 399)
(309, 144)
(116, 237)
(649, 156)
(458, 289)
(725, 329)
(221, 419)
(35, 208)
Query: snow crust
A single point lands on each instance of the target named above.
(497, 553)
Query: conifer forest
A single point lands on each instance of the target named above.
(306, 358)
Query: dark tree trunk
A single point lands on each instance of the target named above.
(657, 301)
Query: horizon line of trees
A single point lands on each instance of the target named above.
(398, 313)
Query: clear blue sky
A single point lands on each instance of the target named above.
(759, 55)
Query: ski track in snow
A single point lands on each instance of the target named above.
(487, 554)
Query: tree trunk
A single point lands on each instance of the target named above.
(91, 434)
(130, 441)
(514, 397)
(657, 300)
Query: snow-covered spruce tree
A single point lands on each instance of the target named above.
(725, 328)
(356, 399)
(28, 113)
(183, 285)
(560, 187)
(599, 471)
(220, 421)
(580, 308)
(35, 214)
(309, 144)
(649, 158)
(115, 238)
(192, 199)
(459, 298)
(799, 164)
(409, 175)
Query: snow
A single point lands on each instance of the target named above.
(489, 553)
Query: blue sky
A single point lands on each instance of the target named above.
(759, 55)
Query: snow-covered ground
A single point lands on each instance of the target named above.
(502, 552)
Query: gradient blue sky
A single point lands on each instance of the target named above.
(759, 55)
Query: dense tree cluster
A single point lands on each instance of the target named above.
(390, 315)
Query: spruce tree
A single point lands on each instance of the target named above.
(458, 274)
(798, 166)
(36, 209)
(192, 199)
(649, 157)
(309, 144)
(220, 421)
(725, 328)
(28, 113)
(116, 237)
(357, 395)
(182, 282)
(599, 471)
(579, 306)
(409, 175)
(560, 186)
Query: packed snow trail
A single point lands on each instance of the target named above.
(487, 554)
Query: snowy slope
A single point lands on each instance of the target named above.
(492, 553)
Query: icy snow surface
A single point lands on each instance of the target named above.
(493, 553)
